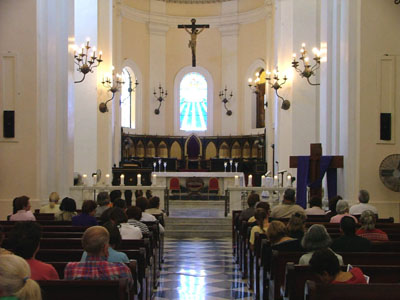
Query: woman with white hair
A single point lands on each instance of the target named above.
(342, 209)
(368, 230)
(15, 282)
(316, 238)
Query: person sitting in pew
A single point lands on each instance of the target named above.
(154, 206)
(315, 206)
(22, 206)
(115, 241)
(261, 204)
(15, 280)
(142, 203)
(86, 218)
(288, 206)
(261, 216)
(95, 242)
(115, 194)
(134, 214)
(278, 236)
(246, 214)
(297, 225)
(332, 202)
(67, 210)
(342, 209)
(363, 199)
(326, 265)
(24, 239)
(120, 219)
(121, 203)
(316, 238)
(349, 241)
(52, 207)
(103, 202)
(368, 230)
(2, 235)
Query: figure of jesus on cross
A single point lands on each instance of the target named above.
(194, 30)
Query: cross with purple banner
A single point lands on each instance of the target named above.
(311, 170)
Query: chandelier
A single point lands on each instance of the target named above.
(162, 94)
(225, 99)
(113, 85)
(276, 82)
(86, 62)
(307, 70)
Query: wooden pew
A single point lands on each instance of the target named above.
(235, 220)
(85, 289)
(313, 291)
(297, 275)
(258, 240)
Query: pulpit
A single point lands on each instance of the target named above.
(193, 152)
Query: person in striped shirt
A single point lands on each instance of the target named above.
(368, 230)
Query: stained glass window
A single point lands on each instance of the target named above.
(128, 99)
(193, 102)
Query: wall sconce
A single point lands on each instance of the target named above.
(254, 86)
(308, 70)
(225, 100)
(86, 61)
(161, 97)
(276, 85)
(396, 1)
(112, 85)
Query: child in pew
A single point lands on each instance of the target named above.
(326, 265)
(316, 238)
(15, 280)
(262, 224)
(115, 241)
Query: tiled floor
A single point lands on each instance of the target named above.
(200, 269)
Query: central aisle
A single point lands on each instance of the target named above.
(200, 269)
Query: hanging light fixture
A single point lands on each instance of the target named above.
(86, 62)
(225, 99)
(307, 71)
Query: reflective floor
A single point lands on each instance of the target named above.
(200, 269)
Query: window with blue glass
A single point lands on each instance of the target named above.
(193, 102)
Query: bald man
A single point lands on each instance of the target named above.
(95, 242)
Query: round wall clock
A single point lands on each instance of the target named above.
(389, 172)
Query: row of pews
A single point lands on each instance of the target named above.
(276, 275)
(61, 244)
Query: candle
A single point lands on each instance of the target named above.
(250, 180)
(276, 180)
(236, 180)
(84, 179)
(94, 179)
(122, 179)
(165, 166)
(139, 179)
(107, 179)
(263, 180)
(289, 180)
(154, 179)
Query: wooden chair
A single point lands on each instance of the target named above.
(174, 185)
(213, 185)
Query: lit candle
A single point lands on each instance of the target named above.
(84, 179)
(236, 180)
(276, 180)
(94, 179)
(107, 179)
(263, 180)
(139, 179)
(122, 179)
(250, 180)
(289, 180)
(154, 180)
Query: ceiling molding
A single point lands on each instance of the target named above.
(248, 17)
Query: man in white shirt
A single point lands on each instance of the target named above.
(363, 198)
(52, 207)
(288, 206)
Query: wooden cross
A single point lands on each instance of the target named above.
(194, 31)
(315, 160)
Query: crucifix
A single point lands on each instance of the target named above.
(314, 161)
(194, 30)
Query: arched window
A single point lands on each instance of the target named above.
(193, 95)
(128, 99)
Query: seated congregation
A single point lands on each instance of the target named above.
(109, 249)
(288, 252)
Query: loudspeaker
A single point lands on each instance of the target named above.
(386, 126)
(8, 123)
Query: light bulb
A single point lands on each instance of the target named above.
(249, 80)
(294, 55)
(303, 45)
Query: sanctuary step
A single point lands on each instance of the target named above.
(197, 208)
(196, 227)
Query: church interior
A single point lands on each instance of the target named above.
(126, 91)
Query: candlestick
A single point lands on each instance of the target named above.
(263, 180)
(154, 179)
(165, 166)
(225, 165)
(94, 179)
(276, 180)
(236, 166)
(159, 165)
(236, 180)
(122, 180)
(108, 179)
(154, 166)
(139, 179)
(250, 180)
(289, 180)
(231, 162)
(84, 179)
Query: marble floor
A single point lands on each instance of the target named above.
(200, 269)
